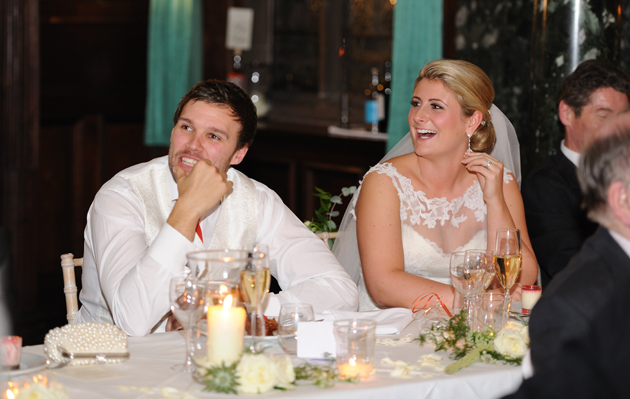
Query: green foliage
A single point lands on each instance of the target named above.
(322, 376)
(322, 222)
(221, 378)
(466, 346)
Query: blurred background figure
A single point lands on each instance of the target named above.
(557, 225)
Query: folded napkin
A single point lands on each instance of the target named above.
(388, 321)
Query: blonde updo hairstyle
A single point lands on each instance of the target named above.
(474, 92)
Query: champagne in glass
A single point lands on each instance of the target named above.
(467, 273)
(254, 286)
(507, 257)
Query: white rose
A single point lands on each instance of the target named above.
(522, 329)
(510, 342)
(257, 373)
(286, 373)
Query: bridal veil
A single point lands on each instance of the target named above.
(506, 150)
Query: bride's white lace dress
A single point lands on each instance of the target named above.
(432, 228)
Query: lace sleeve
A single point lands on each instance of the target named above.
(399, 183)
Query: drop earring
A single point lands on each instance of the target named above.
(469, 136)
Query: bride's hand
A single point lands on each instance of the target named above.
(490, 173)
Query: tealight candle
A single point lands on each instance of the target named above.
(354, 339)
(226, 330)
(10, 352)
(355, 367)
(529, 297)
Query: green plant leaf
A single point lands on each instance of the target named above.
(333, 214)
(346, 191)
(335, 199)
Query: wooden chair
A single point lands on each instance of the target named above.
(327, 237)
(68, 263)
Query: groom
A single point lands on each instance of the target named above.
(145, 220)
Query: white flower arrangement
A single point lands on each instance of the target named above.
(512, 340)
(467, 347)
(260, 373)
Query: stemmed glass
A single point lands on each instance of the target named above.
(255, 280)
(467, 272)
(187, 297)
(507, 258)
(484, 259)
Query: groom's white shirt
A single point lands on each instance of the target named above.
(131, 253)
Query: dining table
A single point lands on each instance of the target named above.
(148, 374)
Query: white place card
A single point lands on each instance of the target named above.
(240, 25)
(315, 339)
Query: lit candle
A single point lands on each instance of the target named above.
(226, 328)
(529, 297)
(10, 352)
(355, 368)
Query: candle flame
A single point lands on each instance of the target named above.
(353, 362)
(227, 303)
(223, 289)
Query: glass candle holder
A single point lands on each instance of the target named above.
(10, 352)
(355, 347)
(218, 337)
(494, 309)
(529, 296)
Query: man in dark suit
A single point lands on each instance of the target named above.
(568, 310)
(557, 225)
(593, 365)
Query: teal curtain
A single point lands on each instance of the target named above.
(417, 40)
(174, 63)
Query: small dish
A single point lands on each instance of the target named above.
(270, 338)
(28, 364)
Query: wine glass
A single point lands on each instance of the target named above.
(507, 257)
(254, 285)
(291, 314)
(485, 260)
(187, 297)
(467, 272)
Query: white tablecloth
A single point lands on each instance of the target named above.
(152, 357)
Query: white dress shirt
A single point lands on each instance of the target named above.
(573, 156)
(126, 281)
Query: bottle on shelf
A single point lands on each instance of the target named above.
(386, 91)
(372, 102)
(236, 75)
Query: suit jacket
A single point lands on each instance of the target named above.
(593, 365)
(576, 297)
(556, 223)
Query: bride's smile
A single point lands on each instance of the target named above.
(436, 120)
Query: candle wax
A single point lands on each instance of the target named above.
(226, 329)
(349, 370)
(529, 299)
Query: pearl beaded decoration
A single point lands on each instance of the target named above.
(88, 337)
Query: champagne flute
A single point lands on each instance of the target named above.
(254, 286)
(507, 257)
(467, 270)
(187, 301)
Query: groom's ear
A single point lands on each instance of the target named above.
(239, 155)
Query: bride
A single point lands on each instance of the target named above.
(439, 191)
